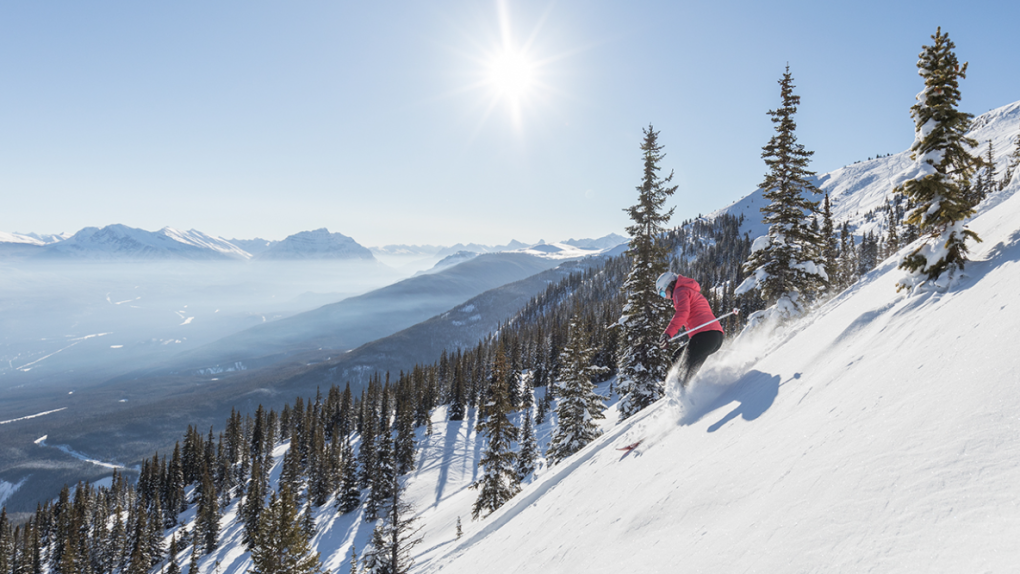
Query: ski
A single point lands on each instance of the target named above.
(630, 447)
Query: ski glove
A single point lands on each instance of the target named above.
(663, 341)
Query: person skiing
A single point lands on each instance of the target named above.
(692, 311)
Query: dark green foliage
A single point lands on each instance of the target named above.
(579, 406)
(642, 365)
(941, 148)
(207, 523)
(394, 537)
(499, 482)
(529, 449)
(787, 266)
(281, 544)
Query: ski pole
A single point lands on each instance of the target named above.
(733, 312)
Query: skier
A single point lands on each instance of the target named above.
(692, 311)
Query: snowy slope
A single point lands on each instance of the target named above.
(203, 241)
(856, 189)
(880, 434)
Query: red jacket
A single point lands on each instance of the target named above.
(692, 309)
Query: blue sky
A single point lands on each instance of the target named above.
(382, 121)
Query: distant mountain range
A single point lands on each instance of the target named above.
(120, 242)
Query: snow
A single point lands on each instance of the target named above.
(880, 433)
(32, 416)
(8, 488)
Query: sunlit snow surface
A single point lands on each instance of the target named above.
(882, 434)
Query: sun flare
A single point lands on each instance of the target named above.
(511, 75)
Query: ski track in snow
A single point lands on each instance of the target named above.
(32, 416)
(82, 457)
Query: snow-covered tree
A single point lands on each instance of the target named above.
(499, 482)
(349, 497)
(282, 546)
(787, 265)
(529, 449)
(394, 537)
(207, 521)
(944, 168)
(642, 365)
(1013, 165)
(579, 405)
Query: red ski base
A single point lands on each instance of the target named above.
(630, 446)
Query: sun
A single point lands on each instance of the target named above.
(511, 74)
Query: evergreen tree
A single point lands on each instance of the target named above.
(945, 167)
(579, 406)
(831, 242)
(381, 483)
(394, 537)
(6, 543)
(988, 180)
(642, 364)
(193, 566)
(529, 449)
(403, 446)
(282, 546)
(207, 521)
(786, 265)
(173, 567)
(1013, 164)
(892, 238)
(255, 497)
(349, 497)
(499, 482)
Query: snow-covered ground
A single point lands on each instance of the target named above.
(881, 433)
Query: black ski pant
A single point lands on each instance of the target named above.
(697, 350)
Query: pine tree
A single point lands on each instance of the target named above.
(282, 546)
(394, 537)
(579, 406)
(349, 498)
(831, 242)
(207, 521)
(254, 499)
(499, 482)
(642, 365)
(945, 167)
(786, 265)
(193, 566)
(173, 567)
(1013, 164)
(6, 543)
(529, 449)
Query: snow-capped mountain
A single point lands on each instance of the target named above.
(32, 238)
(477, 248)
(317, 244)
(602, 243)
(123, 242)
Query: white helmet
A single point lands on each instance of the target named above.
(662, 283)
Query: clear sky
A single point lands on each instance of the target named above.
(446, 121)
